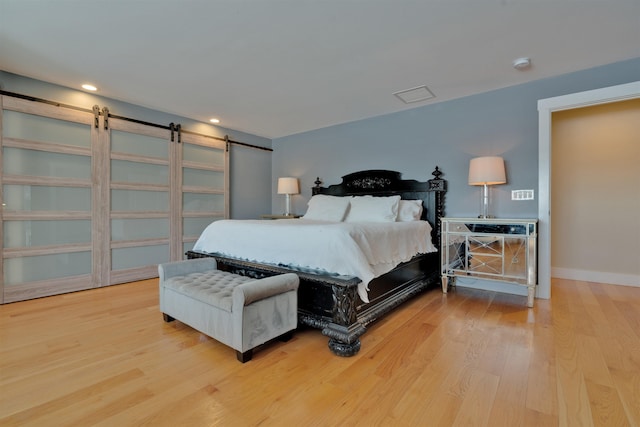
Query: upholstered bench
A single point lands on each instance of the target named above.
(238, 311)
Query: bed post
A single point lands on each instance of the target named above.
(439, 187)
(316, 189)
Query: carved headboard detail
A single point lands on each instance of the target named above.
(390, 183)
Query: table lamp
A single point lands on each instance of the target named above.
(485, 171)
(288, 186)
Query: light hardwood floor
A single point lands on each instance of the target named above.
(105, 357)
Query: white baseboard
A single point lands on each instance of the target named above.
(596, 276)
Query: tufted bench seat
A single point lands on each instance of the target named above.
(238, 311)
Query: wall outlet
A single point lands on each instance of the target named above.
(522, 195)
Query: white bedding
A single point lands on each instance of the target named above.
(365, 250)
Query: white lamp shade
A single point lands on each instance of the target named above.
(288, 185)
(487, 170)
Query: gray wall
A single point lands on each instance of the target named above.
(250, 168)
(502, 122)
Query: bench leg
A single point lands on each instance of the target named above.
(244, 357)
(167, 318)
(286, 336)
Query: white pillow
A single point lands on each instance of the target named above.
(409, 210)
(373, 209)
(327, 208)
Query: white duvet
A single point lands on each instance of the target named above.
(365, 250)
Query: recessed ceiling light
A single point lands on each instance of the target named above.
(92, 88)
(522, 63)
(214, 120)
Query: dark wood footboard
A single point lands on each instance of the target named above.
(331, 303)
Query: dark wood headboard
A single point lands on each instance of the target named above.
(390, 183)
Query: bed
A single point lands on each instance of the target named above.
(338, 301)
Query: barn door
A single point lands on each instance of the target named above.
(90, 199)
(48, 184)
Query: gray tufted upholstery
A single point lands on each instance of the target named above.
(213, 287)
(238, 311)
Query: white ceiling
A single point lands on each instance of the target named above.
(279, 67)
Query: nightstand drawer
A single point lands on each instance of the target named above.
(498, 228)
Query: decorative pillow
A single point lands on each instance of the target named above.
(327, 208)
(373, 209)
(409, 210)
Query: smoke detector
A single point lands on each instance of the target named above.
(522, 63)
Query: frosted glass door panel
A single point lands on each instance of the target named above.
(202, 178)
(35, 268)
(45, 198)
(134, 229)
(18, 161)
(43, 129)
(18, 234)
(195, 226)
(124, 258)
(134, 200)
(140, 173)
(187, 246)
(201, 154)
(197, 202)
(141, 145)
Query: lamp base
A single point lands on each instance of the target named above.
(485, 202)
(287, 211)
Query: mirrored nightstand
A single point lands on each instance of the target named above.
(492, 249)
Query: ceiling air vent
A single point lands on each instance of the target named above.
(416, 94)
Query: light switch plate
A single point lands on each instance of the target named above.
(522, 195)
